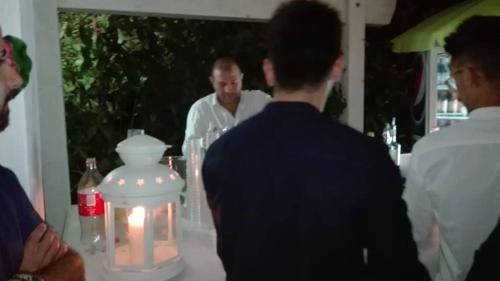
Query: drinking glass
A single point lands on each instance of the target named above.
(134, 132)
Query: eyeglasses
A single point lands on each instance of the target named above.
(457, 71)
(451, 82)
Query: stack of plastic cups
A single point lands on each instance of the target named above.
(196, 212)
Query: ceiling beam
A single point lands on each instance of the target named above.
(379, 12)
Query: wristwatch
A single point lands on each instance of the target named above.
(25, 277)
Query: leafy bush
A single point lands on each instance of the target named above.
(124, 72)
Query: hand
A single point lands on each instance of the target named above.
(68, 268)
(42, 247)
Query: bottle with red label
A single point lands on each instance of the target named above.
(91, 209)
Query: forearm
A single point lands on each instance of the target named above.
(68, 268)
(419, 206)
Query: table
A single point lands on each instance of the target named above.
(199, 254)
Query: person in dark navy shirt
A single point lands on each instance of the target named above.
(296, 196)
(18, 219)
(29, 249)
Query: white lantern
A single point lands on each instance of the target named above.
(142, 211)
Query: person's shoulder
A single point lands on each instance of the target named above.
(7, 174)
(348, 133)
(255, 99)
(9, 182)
(206, 100)
(256, 94)
(202, 105)
(445, 137)
(342, 141)
(239, 136)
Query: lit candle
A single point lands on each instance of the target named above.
(170, 223)
(136, 235)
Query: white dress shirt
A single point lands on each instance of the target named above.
(208, 114)
(454, 182)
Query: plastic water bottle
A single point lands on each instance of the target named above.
(91, 210)
(390, 138)
(394, 146)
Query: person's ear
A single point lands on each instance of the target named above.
(211, 78)
(268, 69)
(337, 69)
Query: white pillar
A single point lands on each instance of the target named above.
(354, 52)
(34, 145)
(20, 141)
(430, 73)
(52, 123)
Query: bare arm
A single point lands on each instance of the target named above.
(46, 256)
(419, 204)
(68, 268)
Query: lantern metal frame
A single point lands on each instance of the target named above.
(143, 182)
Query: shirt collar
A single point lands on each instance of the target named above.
(214, 100)
(291, 106)
(492, 112)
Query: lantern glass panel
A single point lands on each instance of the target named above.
(165, 232)
(130, 243)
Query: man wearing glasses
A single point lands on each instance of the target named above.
(453, 180)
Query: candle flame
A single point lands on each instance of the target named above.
(159, 180)
(136, 218)
(140, 182)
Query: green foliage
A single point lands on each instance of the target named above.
(124, 72)
(388, 79)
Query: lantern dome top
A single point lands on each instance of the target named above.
(141, 150)
(142, 175)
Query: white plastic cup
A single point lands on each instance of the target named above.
(196, 212)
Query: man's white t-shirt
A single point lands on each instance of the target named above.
(208, 114)
(454, 182)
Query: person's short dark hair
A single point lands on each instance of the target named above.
(478, 39)
(224, 64)
(303, 40)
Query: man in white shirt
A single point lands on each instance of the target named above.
(224, 108)
(454, 174)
